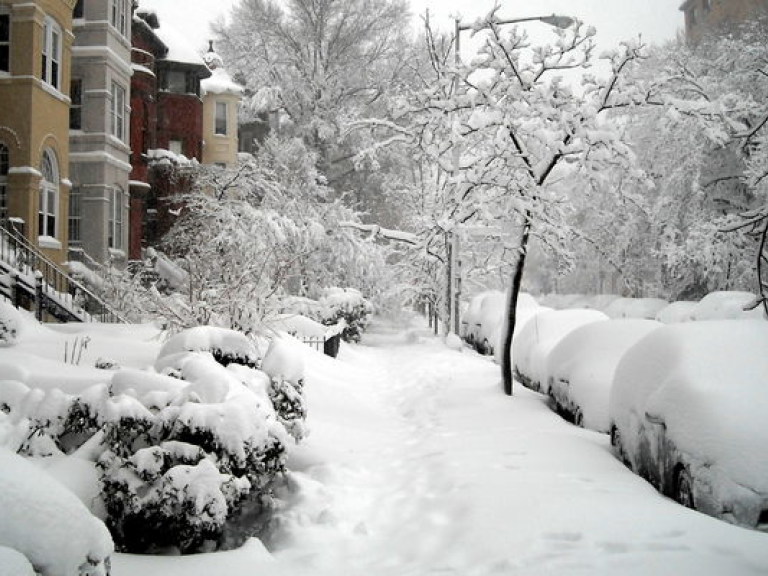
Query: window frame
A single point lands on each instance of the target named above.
(223, 118)
(51, 53)
(116, 220)
(117, 16)
(5, 45)
(75, 217)
(117, 110)
(48, 199)
(76, 103)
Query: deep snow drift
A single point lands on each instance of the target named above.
(417, 464)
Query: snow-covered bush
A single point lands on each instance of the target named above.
(286, 386)
(47, 524)
(226, 346)
(349, 305)
(9, 324)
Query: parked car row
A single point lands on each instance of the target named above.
(682, 389)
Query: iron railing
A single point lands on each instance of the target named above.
(29, 279)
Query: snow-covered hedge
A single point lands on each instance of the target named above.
(46, 524)
(179, 448)
(348, 305)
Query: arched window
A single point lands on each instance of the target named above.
(49, 195)
(4, 166)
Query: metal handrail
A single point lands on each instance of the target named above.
(60, 290)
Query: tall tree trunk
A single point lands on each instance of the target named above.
(514, 291)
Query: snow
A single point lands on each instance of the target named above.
(282, 362)
(728, 305)
(179, 47)
(418, 464)
(680, 311)
(298, 325)
(540, 335)
(14, 563)
(220, 82)
(208, 339)
(635, 308)
(45, 522)
(580, 368)
(706, 382)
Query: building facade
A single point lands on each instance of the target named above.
(166, 126)
(221, 99)
(703, 15)
(99, 130)
(35, 58)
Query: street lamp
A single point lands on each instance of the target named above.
(453, 292)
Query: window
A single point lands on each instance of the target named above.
(176, 146)
(707, 5)
(115, 231)
(118, 17)
(78, 13)
(49, 196)
(118, 111)
(180, 82)
(221, 118)
(76, 104)
(692, 16)
(75, 217)
(5, 42)
(51, 70)
(4, 165)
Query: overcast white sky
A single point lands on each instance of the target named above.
(656, 20)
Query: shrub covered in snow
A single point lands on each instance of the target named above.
(226, 346)
(10, 324)
(179, 449)
(349, 305)
(47, 524)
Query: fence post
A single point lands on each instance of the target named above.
(39, 296)
(15, 290)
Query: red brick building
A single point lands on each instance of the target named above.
(166, 125)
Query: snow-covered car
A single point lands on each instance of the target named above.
(728, 304)
(687, 410)
(478, 309)
(635, 308)
(581, 367)
(539, 336)
(45, 523)
(679, 311)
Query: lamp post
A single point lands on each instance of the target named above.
(453, 291)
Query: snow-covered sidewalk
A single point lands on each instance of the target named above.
(417, 464)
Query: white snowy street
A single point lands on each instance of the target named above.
(418, 464)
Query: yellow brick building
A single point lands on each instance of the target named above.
(35, 54)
